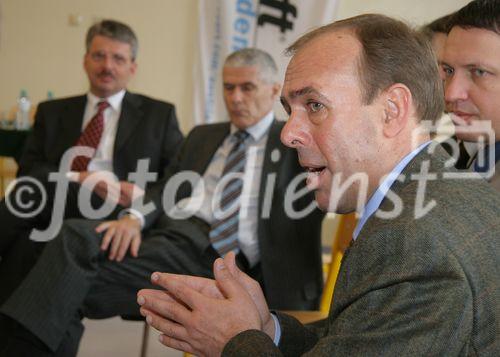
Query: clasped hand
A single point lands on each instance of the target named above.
(199, 315)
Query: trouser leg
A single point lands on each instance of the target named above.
(16, 218)
(15, 266)
(48, 299)
(73, 275)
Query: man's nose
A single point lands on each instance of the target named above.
(295, 132)
(108, 62)
(237, 95)
(456, 88)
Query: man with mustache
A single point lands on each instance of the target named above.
(471, 67)
(121, 127)
(421, 275)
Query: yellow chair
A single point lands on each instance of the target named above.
(8, 170)
(342, 239)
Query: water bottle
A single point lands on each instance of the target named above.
(23, 111)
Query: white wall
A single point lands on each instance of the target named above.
(40, 51)
(415, 12)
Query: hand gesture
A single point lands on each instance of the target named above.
(200, 315)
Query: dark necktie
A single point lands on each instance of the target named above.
(224, 231)
(90, 137)
(463, 157)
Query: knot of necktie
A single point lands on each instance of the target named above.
(101, 106)
(241, 136)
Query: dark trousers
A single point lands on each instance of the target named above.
(17, 226)
(18, 253)
(73, 278)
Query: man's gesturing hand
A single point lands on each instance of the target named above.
(201, 315)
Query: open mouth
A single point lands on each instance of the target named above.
(315, 170)
(313, 176)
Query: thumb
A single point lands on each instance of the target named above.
(226, 282)
(230, 262)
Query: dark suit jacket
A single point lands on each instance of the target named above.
(410, 287)
(290, 250)
(147, 128)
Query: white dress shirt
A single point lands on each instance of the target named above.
(249, 201)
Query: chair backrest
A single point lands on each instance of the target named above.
(342, 239)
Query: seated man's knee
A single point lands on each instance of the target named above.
(79, 234)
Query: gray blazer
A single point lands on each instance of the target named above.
(411, 287)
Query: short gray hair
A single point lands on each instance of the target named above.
(268, 71)
(114, 30)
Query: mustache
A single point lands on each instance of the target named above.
(106, 73)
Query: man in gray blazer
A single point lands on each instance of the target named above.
(421, 275)
(470, 62)
(278, 241)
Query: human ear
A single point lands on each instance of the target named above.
(276, 90)
(397, 99)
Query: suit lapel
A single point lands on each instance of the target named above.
(273, 143)
(270, 166)
(217, 136)
(71, 121)
(130, 117)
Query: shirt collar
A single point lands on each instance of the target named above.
(374, 202)
(115, 100)
(258, 130)
(485, 166)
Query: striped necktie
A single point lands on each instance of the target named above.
(224, 231)
(91, 137)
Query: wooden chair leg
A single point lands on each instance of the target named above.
(145, 340)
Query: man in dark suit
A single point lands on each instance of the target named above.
(132, 127)
(277, 241)
(421, 274)
(470, 61)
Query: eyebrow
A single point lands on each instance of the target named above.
(239, 84)
(469, 65)
(305, 91)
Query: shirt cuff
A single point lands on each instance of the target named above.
(277, 329)
(72, 176)
(134, 213)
